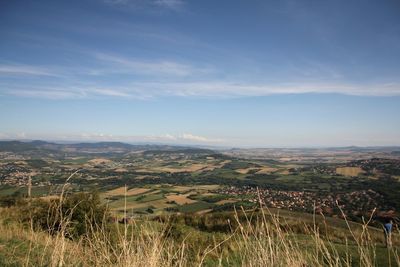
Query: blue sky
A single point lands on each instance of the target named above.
(223, 73)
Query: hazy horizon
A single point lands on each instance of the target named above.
(205, 146)
(226, 74)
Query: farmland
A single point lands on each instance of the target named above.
(154, 179)
(202, 196)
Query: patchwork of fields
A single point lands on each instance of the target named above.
(152, 180)
(158, 199)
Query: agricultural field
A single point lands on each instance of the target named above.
(146, 180)
(349, 171)
(202, 196)
(159, 199)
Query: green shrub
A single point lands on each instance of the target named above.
(75, 215)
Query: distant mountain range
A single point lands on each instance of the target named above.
(119, 147)
(98, 147)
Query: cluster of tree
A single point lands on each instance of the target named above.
(11, 200)
(75, 215)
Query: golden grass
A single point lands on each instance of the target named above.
(97, 161)
(225, 201)
(180, 199)
(49, 197)
(266, 170)
(245, 170)
(190, 168)
(204, 211)
(131, 192)
(158, 204)
(187, 166)
(265, 243)
(121, 170)
(181, 188)
(349, 171)
(268, 242)
(284, 172)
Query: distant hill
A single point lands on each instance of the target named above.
(98, 147)
(16, 146)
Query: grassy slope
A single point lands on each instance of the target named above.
(20, 246)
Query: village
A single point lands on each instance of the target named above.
(353, 203)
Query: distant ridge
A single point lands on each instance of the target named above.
(96, 147)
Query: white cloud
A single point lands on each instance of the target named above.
(4, 136)
(147, 90)
(48, 93)
(24, 70)
(175, 5)
(199, 139)
(21, 135)
(227, 89)
(192, 137)
(170, 4)
(58, 93)
(180, 138)
(153, 68)
(185, 138)
(116, 2)
(168, 78)
(110, 92)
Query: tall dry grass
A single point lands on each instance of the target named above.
(268, 242)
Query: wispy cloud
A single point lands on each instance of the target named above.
(162, 78)
(116, 2)
(48, 93)
(154, 68)
(232, 89)
(175, 5)
(170, 4)
(146, 90)
(69, 93)
(110, 92)
(25, 70)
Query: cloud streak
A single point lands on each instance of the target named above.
(146, 90)
(185, 138)
(175, 5)
(232, 89)
(24, 70)
(170, 4)
(69, 93)
(153, 68)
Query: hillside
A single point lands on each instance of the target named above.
(254, 238)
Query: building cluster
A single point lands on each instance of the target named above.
(10, 156)
(15, 179)
(384, 165)
(18, 175)
(20, 179)
(355, 202)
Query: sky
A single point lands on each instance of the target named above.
(215, 73)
